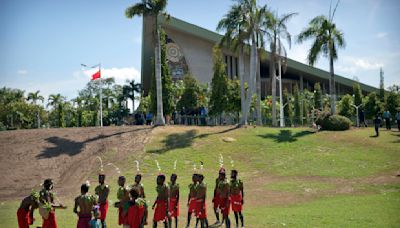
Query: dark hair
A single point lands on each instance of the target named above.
(201, 176)
(48, 182)
(121, 178)
(134, 193)
(174, 175)
(139, 175)
(84, 188)
(234, 171)
(161, 176)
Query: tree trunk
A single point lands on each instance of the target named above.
(253, 73)
(243, 92)
(332, 87)
(258, 90)
(133, 105)
(273, 82)
(160, 121)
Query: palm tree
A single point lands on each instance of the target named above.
(56, 100)
(34, 96)
(234, 23)
(130, 89)
(152, 8)
(327, 39)
(276, 29)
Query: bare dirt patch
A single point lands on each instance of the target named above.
(68, 156)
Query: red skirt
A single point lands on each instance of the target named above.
(24, 219)
(121, 217)
(103, 210)
(83, 221)
(160, 213)
(216, 201)
(192, 205)
(236, 202)
(201, 209)
(174, 207)
(134, 216)
(224, 205)
(50, 222)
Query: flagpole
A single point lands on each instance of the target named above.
(101, 97)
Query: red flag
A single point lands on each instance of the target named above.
(96, 75)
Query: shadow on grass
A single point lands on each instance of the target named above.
(183, 140)
(71, 147)
(398, 135)
(286, 136)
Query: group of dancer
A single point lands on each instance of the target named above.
(132, 207)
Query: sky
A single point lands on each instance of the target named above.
(43, 42)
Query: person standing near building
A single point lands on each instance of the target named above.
(398, 118)
(362, 117)
(387, 117)
(377, 123)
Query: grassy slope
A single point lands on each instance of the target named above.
(264, 153)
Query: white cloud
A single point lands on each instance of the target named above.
(22, 72)
(120, 74)
(381, 35)
(353, 65)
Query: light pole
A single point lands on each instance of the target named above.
(357, 107)
(101, 91)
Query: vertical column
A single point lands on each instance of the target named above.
(301, 83)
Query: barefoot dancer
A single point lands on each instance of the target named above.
(173, 200)
(160, 205)
(46, 200)
(192, 198)
(123, 197)
(85, 203)
(102, 191)
(237, 194)
(224, 194)
(216, 199)
(136, 207)
(25, 210)
(140, 189)
(201, 207)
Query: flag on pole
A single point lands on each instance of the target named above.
(96, 75)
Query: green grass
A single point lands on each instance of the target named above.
(299, 186)
(262, 152)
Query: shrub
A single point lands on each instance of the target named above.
(333, 122)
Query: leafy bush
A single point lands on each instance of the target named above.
(332, 122)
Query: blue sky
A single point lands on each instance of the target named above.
(43, 42)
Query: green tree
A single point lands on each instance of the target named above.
(34, 97)
(392, 103)
(152, 8)
(130, 89)
(317, 96)
(357, 94)
(234, 24)
(190, 97)
(381, 86)
(219, 85)
(57, 101)
(234, 101)
(167, 83)
(276, 30)
(372, 105)
(345, 106)
(327, 39)
(297, 106)
(288, 108)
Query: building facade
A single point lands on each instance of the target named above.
(189, 50)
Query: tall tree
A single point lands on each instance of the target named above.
(357, 94)
(317, 96)
(152, 8)
(56, 100)
(327, 39)
(130, 89)
(381, 86)
(219, 85)
(234, 24)
(276, 30)
(34, 97)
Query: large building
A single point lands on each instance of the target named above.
(189, 50)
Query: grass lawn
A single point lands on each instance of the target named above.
(292, 177)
